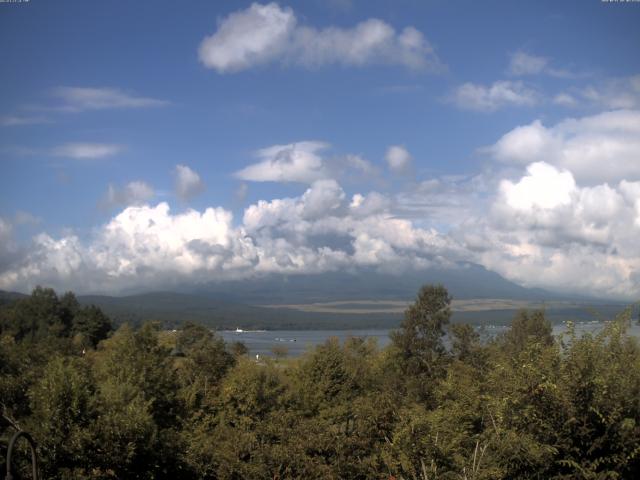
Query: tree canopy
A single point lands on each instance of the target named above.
(150, 403)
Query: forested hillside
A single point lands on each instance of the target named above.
(142, 403)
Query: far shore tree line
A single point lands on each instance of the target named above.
(141, 402)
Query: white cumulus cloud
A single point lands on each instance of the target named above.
(26, 218)
(543, 187)
(558, 207)
(398, 158)
(523, 63)
(295, 162)
(133, 193)
(447, 200)
(267, 33)
(361, 165)
(602, 147)
(547, 230)
(188, 182)
(318, 231)
(609, 94)
(565, 100)
(248, 37)
(489, 98)
(615, 93)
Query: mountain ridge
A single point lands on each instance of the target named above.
(265, 302)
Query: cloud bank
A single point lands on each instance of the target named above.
(545, 229)
(558, 208)
(151, 246)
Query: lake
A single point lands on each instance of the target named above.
(261, 342)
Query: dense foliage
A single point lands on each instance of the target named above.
(148, 403)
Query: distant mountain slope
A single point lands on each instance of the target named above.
(173, 309)
(238, 304)
(8, 297)
(465, 281)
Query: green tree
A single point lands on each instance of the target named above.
(205, 362)
(69, 303)
(325, 378)
(138, 397)
(528, 327)
(465, 342)
(600, 383)
(235, 442)
(420, 353)
(36, 317)
(238, 349)
(63, 410)
(91, 324)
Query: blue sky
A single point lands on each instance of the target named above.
(492, 132)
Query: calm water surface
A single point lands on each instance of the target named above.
(297, 341)
(262, 342)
